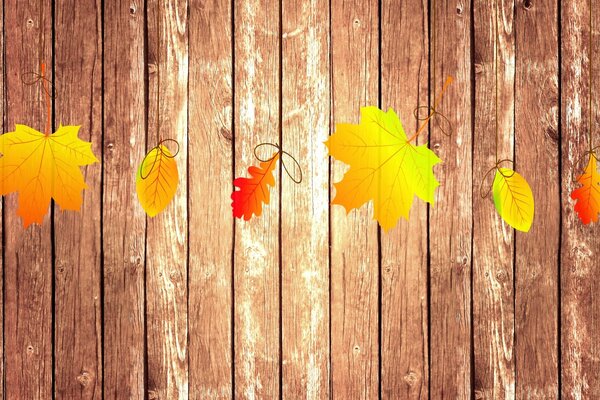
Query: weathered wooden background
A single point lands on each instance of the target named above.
(303, 302)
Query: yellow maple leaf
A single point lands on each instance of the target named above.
(43, 167)
(384, 166)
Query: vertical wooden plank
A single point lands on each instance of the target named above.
(210, 159)
(3, 117)
(404, 321)
(580, 244)
(537, 159)
(167, 233)
(493, 294)
(450, 224)
(124, 223)
(256, 250)
(27, 252)
(354, 249)
(78, 316)
(305, 208)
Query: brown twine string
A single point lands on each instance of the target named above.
(283, 163)
(432, 113)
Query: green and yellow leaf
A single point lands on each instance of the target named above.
(513, 199)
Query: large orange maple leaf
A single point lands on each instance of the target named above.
(588, 195)
(42, 167)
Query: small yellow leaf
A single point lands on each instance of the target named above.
(157, 180)
(513, 199)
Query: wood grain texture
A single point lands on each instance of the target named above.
(27, 252)
(3, 117)
(303, 301)
(493, 292)
(167, 233)
(78, 314)
(404, 308)
(450, 222)
(256, 250)
(124, 222)
(304, 206)
(537, 159)
(354, 248)
(210, 159)
(580, 244)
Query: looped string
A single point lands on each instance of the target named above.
(592, 153)
(442, 123)
(489, 171)
(33, 78)
(160, 151)
(266, 144)
(283, 163)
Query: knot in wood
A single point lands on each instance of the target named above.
(501, 276)
(411, 378)
(84, 378)
(226, 133)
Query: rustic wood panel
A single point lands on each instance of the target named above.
(28, 263)
(304, 301)
(210, 159)
(124, 222)
(3, 116)
(354, 248)
(78, 315)
(167, 233)
(537, 159)
(256, 251)
(304, 241)
(493, 291)
(450, 219)
(404, 300)
(580, 307)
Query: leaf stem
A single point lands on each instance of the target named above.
(48, 100)
(433, 110)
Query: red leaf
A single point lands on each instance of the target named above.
(253, 191)
(588, 195)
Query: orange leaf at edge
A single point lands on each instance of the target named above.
(588, 195)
